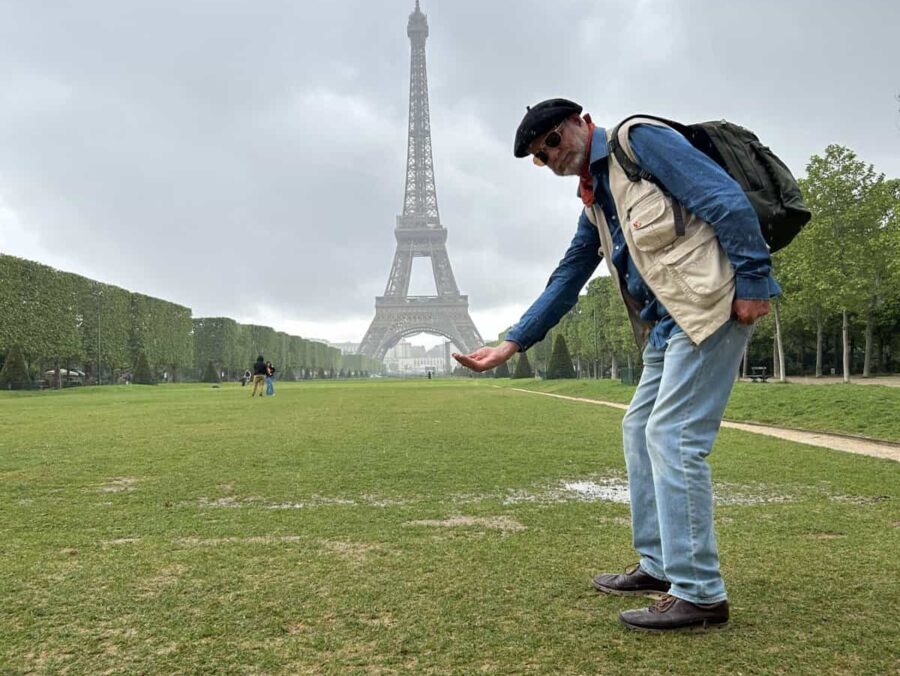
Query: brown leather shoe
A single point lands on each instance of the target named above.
(634, 582)
(674, 614)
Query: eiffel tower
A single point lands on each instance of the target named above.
(419, 233)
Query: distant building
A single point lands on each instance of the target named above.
(405, 359)
(346, 348)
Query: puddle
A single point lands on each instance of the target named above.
(609, 489)
(615, 490)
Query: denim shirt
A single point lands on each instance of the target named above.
(701, 186)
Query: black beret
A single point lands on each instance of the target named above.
(541, 118)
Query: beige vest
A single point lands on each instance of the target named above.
(691, 275)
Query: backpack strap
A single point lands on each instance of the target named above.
(635, 173)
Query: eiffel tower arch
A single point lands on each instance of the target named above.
(419, 233)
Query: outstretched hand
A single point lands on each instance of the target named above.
(486, 358)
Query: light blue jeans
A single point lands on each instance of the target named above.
(270, 386)
(668, 431)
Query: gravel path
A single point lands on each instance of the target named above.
(837, 442)
(884, 381)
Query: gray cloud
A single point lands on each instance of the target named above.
(249, 161)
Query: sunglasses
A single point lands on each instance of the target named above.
(551, 140)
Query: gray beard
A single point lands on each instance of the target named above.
(573, 168)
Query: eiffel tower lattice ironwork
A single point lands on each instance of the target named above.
(419, 234)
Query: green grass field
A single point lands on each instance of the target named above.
(865, 410)
(407, 527)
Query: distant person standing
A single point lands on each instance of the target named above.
(270, 379)
(259, 376)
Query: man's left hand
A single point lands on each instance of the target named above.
(748, 311)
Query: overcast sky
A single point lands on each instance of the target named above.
(248, 159)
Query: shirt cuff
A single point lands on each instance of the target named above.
(751, 288)
(515, 338)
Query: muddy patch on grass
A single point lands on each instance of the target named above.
(314, 501)
(825, 536)
(121, 484)
(861, 499)
(250, 539)
(354, 552)
(505, 524)
(164, 578)
(311, 502)
(119, 541)
(383, 620)
(226, 501)
(620, 521)
(749, 494)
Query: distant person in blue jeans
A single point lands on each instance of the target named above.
(259, 376)
(694, 272)
(270, 379)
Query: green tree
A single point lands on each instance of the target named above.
(502, 371)
(843, 194)
(614, 327)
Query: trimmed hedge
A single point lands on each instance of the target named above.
(211, 373)
(560, 365)
(14, 374)
(143, 375)
(58, 317)
(523, 367)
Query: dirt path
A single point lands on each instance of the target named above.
(837, 442)
(886, 381)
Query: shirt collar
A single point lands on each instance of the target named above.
(599, 150)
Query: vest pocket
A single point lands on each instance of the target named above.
(651, 221)
(700, 267)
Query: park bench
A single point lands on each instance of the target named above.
(759, 374)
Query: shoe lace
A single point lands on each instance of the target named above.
(663, 604)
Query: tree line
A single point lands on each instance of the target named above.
(59, 320)
(839, 313)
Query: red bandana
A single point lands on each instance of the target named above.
(586, 186)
